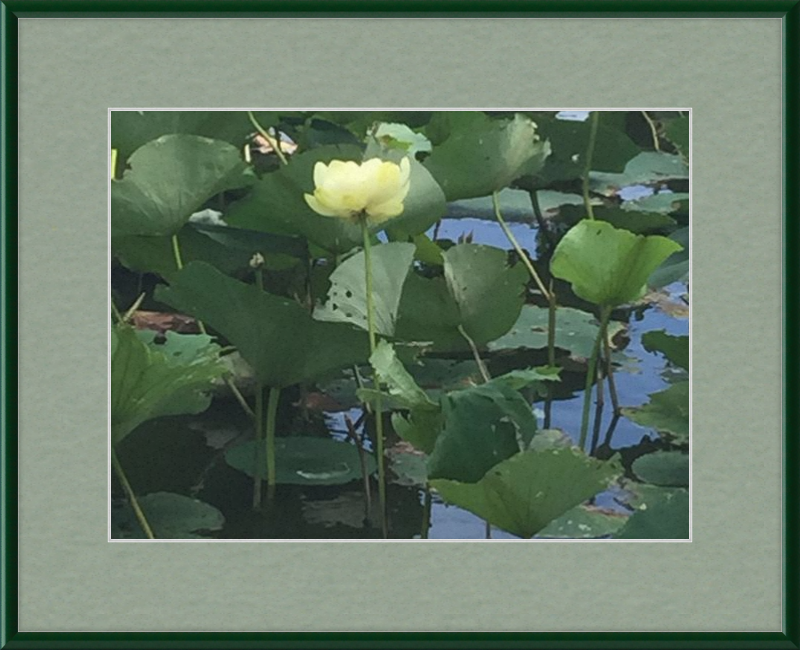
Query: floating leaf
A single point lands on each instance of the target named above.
(674, 348)
(303, 460)
(526, 492)
(408, 465)
(398, 136)
(607, 266)
(667, 412)
(665, 468)
(482, 155)
(576, 331)
(646, 168)
(169, 180)
(664, 515)
(584, 522)
(145, 384)
(635, 221)
(347, 298)
(171, 516)
(518, 379)
(276, 336)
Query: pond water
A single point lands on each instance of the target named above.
(185, 454)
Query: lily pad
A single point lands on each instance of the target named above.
(170, 179)
(607, 266)
(674, 348)
(303, 460)
(276, 336)
(481, 155)
(146, 384)
(667, 412)
(646, 168)
(347, 298)
(664, 515)
(635, 221)
(665, 468)
(576, 331)
(408, 465)
(523, 494)
(584, 522)
(171, 516)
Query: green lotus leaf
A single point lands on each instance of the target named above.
(483, 425)
(170, 179)
(171, 516)
(146, 383)
(576, 331)
(665, 468)
(347, 299)
(482, 155)
(303, 460)
(526, 492)
(667, 412)
(584, 522)
(677, 131)
(674, 348)
(276, 336)
(663, 515)
(132, 129)
(607, 266)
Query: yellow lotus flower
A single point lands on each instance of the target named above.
(374, 190)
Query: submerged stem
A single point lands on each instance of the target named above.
(605, 312)
(272, 412)
(426, 513)
(137, 510)
(594, 118)
(176, 252)
(259, 424)
(376, 380)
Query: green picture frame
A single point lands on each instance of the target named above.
(51, 553)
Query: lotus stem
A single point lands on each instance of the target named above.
(612, 385)
(605, 312)
(273, 142)
(537, 213)
(376, 380)
(594, 118)
(240, 398)
(653, 130)
(426, 513)
(272, 412)
(259, 424)
(176, 252)
(522, 254)
(475, 354)
(137, 510)
(362, 459)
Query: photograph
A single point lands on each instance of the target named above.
(399, 325)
